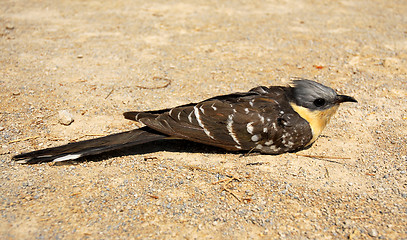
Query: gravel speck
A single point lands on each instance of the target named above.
(372, 232)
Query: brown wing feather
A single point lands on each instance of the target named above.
(260, 119)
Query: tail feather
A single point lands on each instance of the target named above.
(89, 147)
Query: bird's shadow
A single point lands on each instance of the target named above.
(173, 145)
(180, 146)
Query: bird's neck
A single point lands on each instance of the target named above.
(316, 119)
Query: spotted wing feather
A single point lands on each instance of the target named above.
(260, 119)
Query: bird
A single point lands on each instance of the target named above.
(269, 120)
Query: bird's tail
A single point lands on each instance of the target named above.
(95, 146)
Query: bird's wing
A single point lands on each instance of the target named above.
(239, 121)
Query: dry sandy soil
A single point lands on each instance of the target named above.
(98, 59)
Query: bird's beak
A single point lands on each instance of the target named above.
(344, 98)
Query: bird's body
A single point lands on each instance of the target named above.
(271, 120)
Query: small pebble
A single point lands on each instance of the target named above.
(9, 27)
(249, 192)
(65, 117)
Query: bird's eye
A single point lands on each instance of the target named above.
(319, 102)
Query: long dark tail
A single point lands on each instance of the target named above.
(95, 146)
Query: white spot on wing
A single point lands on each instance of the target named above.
(268, 143)
(198, 118)
(229, 127)
(255, 138)
(246, 110)
(250, 128)
(274, 148)
(213, 107)
(67, 157)
(190, 116)
(261, 118)
(23, 161)
(202, 109)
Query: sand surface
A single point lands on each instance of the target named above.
(98, 59)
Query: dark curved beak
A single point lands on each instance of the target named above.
(344, 98)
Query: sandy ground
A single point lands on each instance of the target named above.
(97, 59)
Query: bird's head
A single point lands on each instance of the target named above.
(315, 96)
(315, 103)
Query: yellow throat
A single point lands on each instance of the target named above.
(316, 119)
